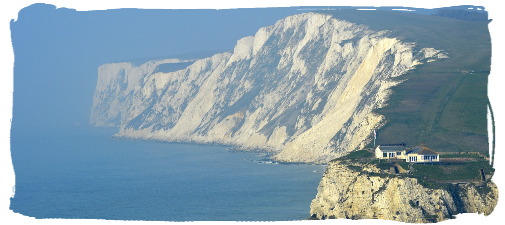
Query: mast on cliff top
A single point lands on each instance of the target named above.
(374, 137)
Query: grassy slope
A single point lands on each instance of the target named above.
(439, 104)
(468, 170)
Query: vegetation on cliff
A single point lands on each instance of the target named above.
(462, 14)
(358, 186)
(443, 103)
(452, 168)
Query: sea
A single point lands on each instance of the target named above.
(85, 173)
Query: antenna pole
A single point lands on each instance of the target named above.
(374, 137)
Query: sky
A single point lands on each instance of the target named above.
(50, 67)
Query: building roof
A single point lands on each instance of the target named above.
(392, 148)
(421, 150)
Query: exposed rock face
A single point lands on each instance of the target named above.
(116, 84)
(474, 201)
(346, 193)
(303, 88)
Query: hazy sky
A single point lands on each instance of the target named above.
(50, 50)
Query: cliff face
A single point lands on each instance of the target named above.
(345, 192)
(116, 85)
(303, 88)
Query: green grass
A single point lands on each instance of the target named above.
(404, 165)
(383, 165)
(360, 154)
(473, 156)
(465, 171)
(438, 104)
(457, 116)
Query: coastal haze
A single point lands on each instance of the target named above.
(304, 88)
(50, 51)
(301, 87)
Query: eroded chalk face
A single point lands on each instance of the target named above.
(278, 90)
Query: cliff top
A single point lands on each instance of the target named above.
(430, 175)
(455, 104)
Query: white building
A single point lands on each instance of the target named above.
(422, 154)
(390, 151)
(416, 154)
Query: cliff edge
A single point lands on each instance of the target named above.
(304, 88)
(362, 190)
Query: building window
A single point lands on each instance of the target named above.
(429, 157)
(413, 158)
(385, 154)
(391, 155)
(399, 153)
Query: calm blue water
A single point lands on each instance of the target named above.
(83, 173)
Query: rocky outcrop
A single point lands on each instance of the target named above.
(358, 191)
(478, 199)
(304, 88)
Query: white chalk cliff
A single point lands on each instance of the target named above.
(304, 88)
